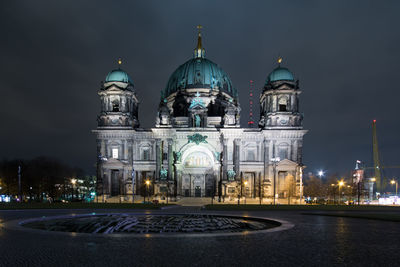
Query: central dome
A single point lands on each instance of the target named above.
(199, 72)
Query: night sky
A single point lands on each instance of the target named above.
(54, 54)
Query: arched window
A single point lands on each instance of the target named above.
(145, 152)
(250, 150)
(251, 155)
(115, 105)
(283, 101)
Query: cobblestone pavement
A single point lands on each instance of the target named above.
(313, 241)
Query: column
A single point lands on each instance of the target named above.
(103, 148)
(225, 160)
(170, 159)
(236, 156)
(294, 151)
(299, 152)
(266, 157)
(158, 159)
(125, 149)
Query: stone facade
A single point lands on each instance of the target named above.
(197, 148)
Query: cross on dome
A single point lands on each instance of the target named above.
(199, 52)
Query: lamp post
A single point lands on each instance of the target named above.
(334, 195)
(245, 190)
(147, 190)
(19, 184)
(274, 162)
(396, 183)
(341, 183)
(371, 191)
(73, 181)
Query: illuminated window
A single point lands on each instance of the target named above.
(197, 160)
(115, 153)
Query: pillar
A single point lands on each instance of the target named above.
(158, 159)
(170, 160)
(236, 157)
(225, 160)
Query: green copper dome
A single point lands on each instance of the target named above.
(280, 74)
(199, 72)
(118, 75)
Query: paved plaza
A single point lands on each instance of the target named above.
(312, 241)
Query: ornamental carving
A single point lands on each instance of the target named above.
(197, 138)
(231, 175)
(178, 156)
(163, 174)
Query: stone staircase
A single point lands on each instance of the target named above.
(194, 201)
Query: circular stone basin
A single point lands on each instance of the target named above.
(151, 224)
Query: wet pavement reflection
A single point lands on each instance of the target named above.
(313, 241)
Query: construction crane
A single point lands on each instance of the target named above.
(379, 178)
(377, 164)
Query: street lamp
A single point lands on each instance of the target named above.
(73, 182)
(274, 162)
(334, 191)
(245, 187)
(341, 183)
(321, 173)
(396, 183)
(147, 190)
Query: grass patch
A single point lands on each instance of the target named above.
(251, 207)
(371, 216)
(78, 205)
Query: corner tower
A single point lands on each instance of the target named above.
(279, 101)
(119, 103)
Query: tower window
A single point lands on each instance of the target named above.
(115, 106)
(283, 104)
(115, 153)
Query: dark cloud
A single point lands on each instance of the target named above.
(55, 53)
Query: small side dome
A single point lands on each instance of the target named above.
(118, 75)
(280, 74)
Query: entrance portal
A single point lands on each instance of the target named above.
(197, 191)
(114, 183)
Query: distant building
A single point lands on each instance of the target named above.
(197, 147)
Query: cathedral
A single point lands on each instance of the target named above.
(197, 147)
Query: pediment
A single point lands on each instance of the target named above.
(287, 162)
(111, 162)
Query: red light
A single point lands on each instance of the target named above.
(251, 94)
(251, 114)
(374, 121)
(251, 102)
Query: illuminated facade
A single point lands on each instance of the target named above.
(197, 148)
